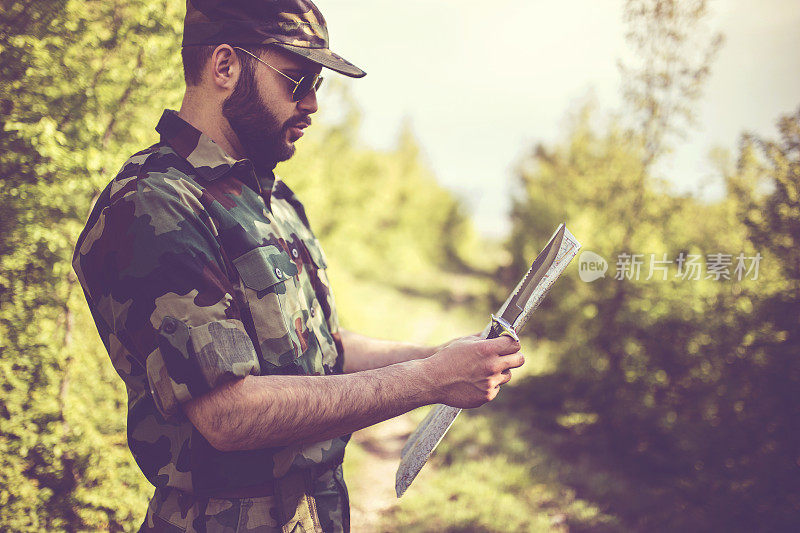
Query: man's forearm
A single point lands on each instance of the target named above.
(264, 411)
(366, 353)
(268, 411)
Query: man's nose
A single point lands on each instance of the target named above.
(308, 104)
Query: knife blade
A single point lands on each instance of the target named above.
(530, 291)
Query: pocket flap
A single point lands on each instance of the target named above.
(264, 266)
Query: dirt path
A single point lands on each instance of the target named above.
(372, 487)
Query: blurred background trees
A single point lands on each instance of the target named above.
(649, 405)
(685, 384)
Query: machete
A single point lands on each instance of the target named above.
(510, 319)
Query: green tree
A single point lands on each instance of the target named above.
(77, 89)
(684, 383)
(698, 414)
(381, 213)
(760, 453)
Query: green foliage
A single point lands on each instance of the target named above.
(357, 195)
(495, 473)
(77, 85)
(680, 386)
(680, 414)
(684, 382)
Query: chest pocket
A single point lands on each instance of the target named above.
(323, 320)
(270, 285)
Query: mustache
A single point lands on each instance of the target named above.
(302, 119)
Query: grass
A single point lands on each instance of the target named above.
(491, 473)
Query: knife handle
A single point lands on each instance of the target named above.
(501, 327)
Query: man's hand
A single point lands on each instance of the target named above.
(468, 372)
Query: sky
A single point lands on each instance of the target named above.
(481, 86)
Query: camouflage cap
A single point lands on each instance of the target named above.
(295, 25)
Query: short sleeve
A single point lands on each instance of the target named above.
(154, 274)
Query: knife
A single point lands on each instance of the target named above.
(510, 319)
(505, 323)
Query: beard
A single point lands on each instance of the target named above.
(262, 136)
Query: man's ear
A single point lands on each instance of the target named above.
(225, 67)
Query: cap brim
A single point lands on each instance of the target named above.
(326, 58)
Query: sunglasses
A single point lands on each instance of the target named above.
(303, 86)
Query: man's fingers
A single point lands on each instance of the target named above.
(512, 361)
(502, 345)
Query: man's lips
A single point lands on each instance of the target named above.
(301, 122)
(298, 127)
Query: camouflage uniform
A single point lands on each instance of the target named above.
(197, 272)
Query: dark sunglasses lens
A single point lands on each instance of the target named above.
(304, 86)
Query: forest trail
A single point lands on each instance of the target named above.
(371, 484)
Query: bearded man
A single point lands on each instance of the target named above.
(210, 293)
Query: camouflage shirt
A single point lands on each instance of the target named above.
(197, 271)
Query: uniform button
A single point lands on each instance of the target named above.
(294, 253)
(169, 327)
(279, 273)
(313, 312)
